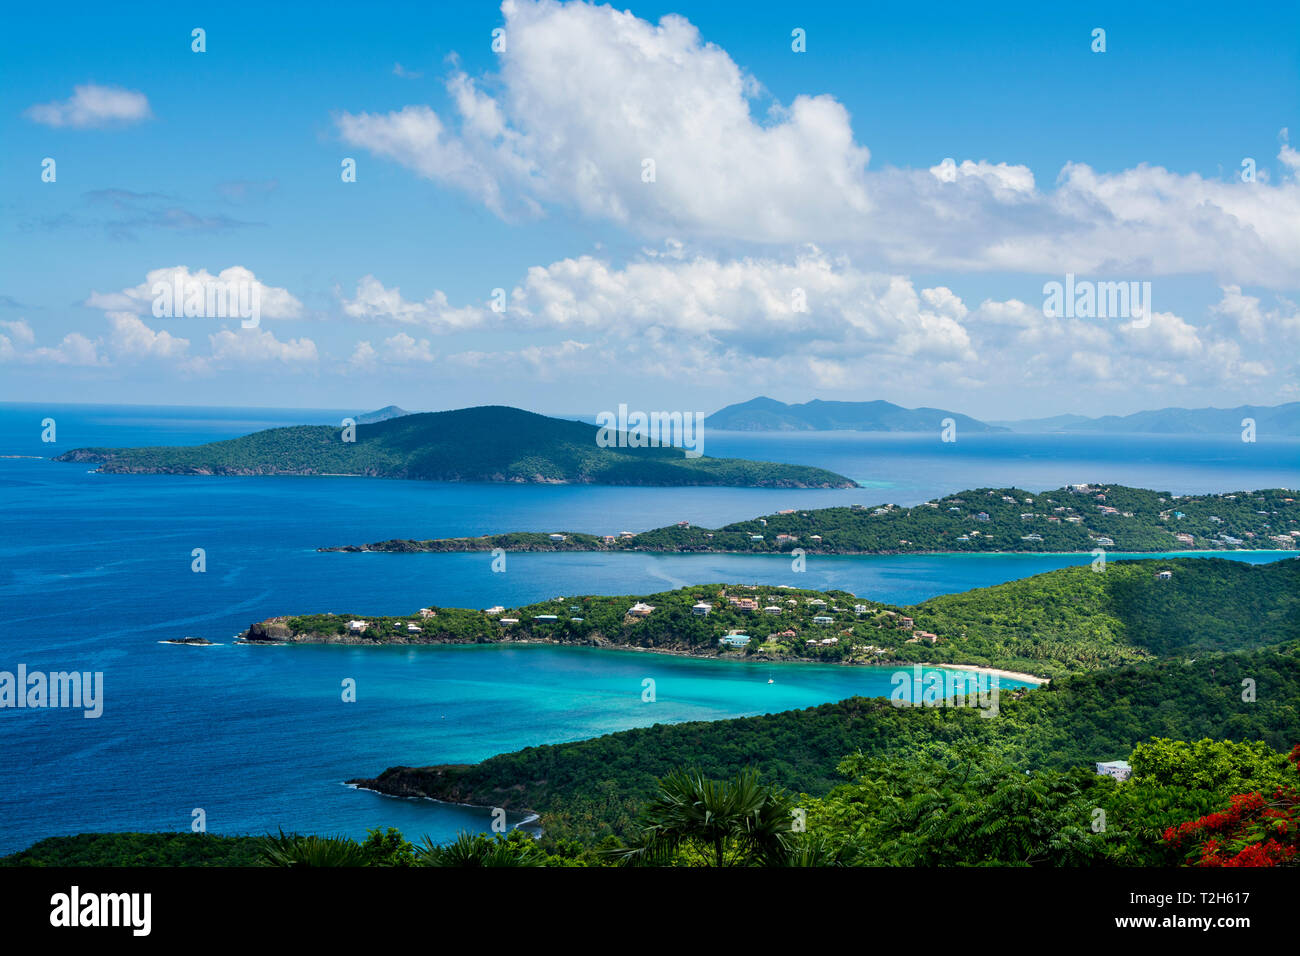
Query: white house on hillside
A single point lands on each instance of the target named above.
(1119, 769)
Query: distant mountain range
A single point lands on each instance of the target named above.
(768, 415)
(1270, 420)
(488, 443)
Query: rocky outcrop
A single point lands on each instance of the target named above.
(85, 454)
(449, 783)
(272, 631)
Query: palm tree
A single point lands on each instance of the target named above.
(725, 823)
(479, 850)
(292, 850)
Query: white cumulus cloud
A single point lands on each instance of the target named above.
(92, 105)
(650, 126)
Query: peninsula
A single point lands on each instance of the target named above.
(1063, 621)
(1078, 518)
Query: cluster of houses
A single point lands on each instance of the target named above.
(616, 538)
(769, 604)
(360, 627)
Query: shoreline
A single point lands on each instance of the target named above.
(663, 651)
(996, 672)
(531, 818)
(1112, 555)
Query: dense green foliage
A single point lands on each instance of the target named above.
(1053, 623)
(296, 850)
(1084, 619)
(692, 819)
(1176, 781)
(980, 520)
(139, 849)
(925, 803)
(592, 788)
(970, 805)
(387, 848)
(488, 443)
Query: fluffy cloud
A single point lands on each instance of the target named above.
(130, 338)
(374, 302)
(752, 306)
(1275, 327)
(18, 345)
(820, 319)
(590, 94)
(19, 331)
(1014, 179)
(255, 346)
(587, 94)
(545, 362)
(233, 284)
(73, 349)
(93, 106)
(400, 349)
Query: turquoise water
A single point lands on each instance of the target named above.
(95, 571)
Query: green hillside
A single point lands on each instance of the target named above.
(1072, 519)
(1055, 623)
(591, 788)
(488, 443)
(1084, 619)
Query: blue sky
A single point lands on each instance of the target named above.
(818, 173)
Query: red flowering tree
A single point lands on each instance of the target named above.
(1255, 830)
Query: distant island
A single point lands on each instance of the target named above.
(1062, 621)
(381, 415)
(764, 414)
(1077, 518)
(489, 443)
(1270, 420)
(768, 415)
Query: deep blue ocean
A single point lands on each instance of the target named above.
(95, 570)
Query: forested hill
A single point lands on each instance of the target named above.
(1087, 619)
(591, 788)
(1050, 624)
(1078, 518)
(488, 443)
